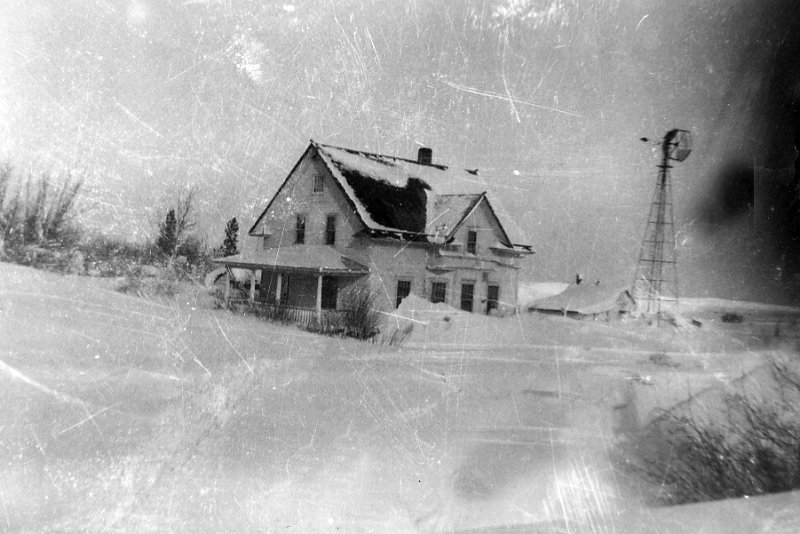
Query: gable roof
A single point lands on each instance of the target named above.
(449, 211)
(402, 197)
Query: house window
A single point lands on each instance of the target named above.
(472, 242)
(403, 290)
(330, 290)
(438, 291)
(283, 298)
(492, 298)
(318, 184)
(467, 295)
(300, 229)
(330, 230)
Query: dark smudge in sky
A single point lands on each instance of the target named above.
(755, 183)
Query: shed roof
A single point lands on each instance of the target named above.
(585, 299)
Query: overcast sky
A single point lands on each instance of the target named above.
(547, 98)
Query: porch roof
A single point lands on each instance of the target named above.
(307, 258)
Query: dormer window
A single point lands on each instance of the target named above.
(472, 242)
(319, 184)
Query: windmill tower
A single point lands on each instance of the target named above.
(655, 284)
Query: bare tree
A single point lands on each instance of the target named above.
(184, 213)
(37, 212)
(176, 228)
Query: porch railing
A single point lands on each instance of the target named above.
(327, 321)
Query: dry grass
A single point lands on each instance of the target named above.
(751, 448)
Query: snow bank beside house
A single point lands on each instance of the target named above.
(443, 326)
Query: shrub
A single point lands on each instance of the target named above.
(236, 293)
(110, 257)
(193, 249)
(397, 336)
(362, 318)
(141, 284)
(662, 359)
(753, 449)
(149, 281)
(732, 317)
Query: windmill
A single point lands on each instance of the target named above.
(655, 284)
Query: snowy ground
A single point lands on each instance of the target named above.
(122, 414)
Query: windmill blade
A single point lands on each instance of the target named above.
(680, 144)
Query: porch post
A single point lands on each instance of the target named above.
(319, 297)
(227, 286)
(278, 288)
(252, 285)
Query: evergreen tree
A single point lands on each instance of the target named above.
(231, 244)
(167, 234)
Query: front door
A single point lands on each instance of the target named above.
(283, 298)
(330, 291)
(467, 295)
(492, 297)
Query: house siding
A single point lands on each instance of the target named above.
(297, 197)
(485, 268)
(389, 260)
(392, 260)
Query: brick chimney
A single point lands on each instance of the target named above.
(425, 156)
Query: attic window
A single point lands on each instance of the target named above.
(472, 242)
(300, 229)
(319, 184)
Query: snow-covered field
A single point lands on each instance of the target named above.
(123, 414)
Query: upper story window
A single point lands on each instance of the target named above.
(319, 184)
(472, 241)
(330, 230)
(300, 229)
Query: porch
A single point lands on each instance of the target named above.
(300, 284)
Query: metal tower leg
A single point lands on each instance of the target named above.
(655, 286)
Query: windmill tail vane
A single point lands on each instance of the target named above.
(655, 284)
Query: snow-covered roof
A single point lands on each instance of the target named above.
(398, 195)
(316, 258)
(449, 210)
(396, 171)
(585, 299)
